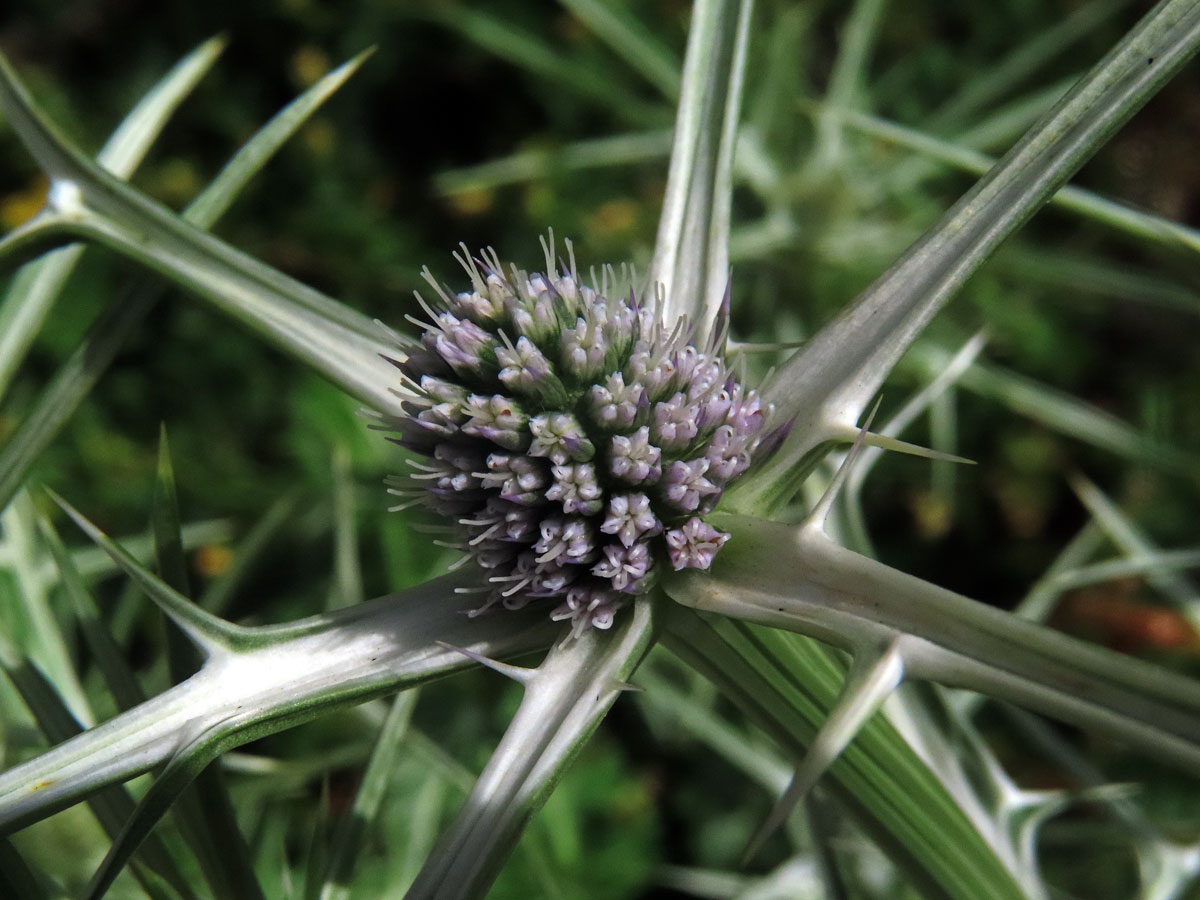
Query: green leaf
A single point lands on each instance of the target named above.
(535, 55)
(220, 591)
(993, 82)
(798, 579)
(213, 635)
(204, 810)
(165, 525)
(622, 32)
(1128, 537)
(42, 636)
(350, 836)
(687, 711)
(691, 252)
(921, 402)
(580, 156)
(250, 159)
(872, 678)
(565, 699)
(347, 586)
(82, 370)
(85, 201)
(180, 771)
(38, 284)
(18, 880)
(278, 677)
(70, 385)
(1143, 226)
(824, 387)
(1061, 412)
(786, 685)
(848, 76)
(1102, 277)
(1148, 565)
(112, 806)
(106, 653)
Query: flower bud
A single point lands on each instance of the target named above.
(576, 440)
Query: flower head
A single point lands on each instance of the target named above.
(576, 439)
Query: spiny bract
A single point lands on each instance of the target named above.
(576, 439)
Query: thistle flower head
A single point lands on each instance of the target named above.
(575, 438)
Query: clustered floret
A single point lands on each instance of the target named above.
(576, 440)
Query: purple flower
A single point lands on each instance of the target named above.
(626, 567)
(585, 346)
(518, 478)
(554, 419)
(633, 458)
(676, 422)
(727, 453)
(686, 485)
(694, 545)
(587, 608)
(566, 540)
(497, 419)
(576, 488)
(524, 366)
(705, 376)
(747, 415)
(441, 391)
(551, 579)
(501, 521)
(477, 307)
(560, 437)
(616, 406)
(630, 518)
(460, 342)
(455, 468)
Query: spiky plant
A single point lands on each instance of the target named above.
(551, 417)
(593, 452)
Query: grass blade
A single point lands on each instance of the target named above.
(871, 679)
(565, 699)
(192, 759)
(87, 202)
(349, 841)
(848, 76)
(347, 586)
(220, 592)
(1181, 591)
(1062, 412)
(38, 284)
(535, 55)
(83, 368)
(626, 37)
(691, 252)
(579, 156)
(111, 806)
(252, 156)
(204, 810)
(36, 628)
(785, 685)
(106, 653)
(18, 880)
(825, 386)
(1133, 222)
(1022, 62)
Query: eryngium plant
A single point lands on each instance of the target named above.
(578, 441)
(558, 431)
